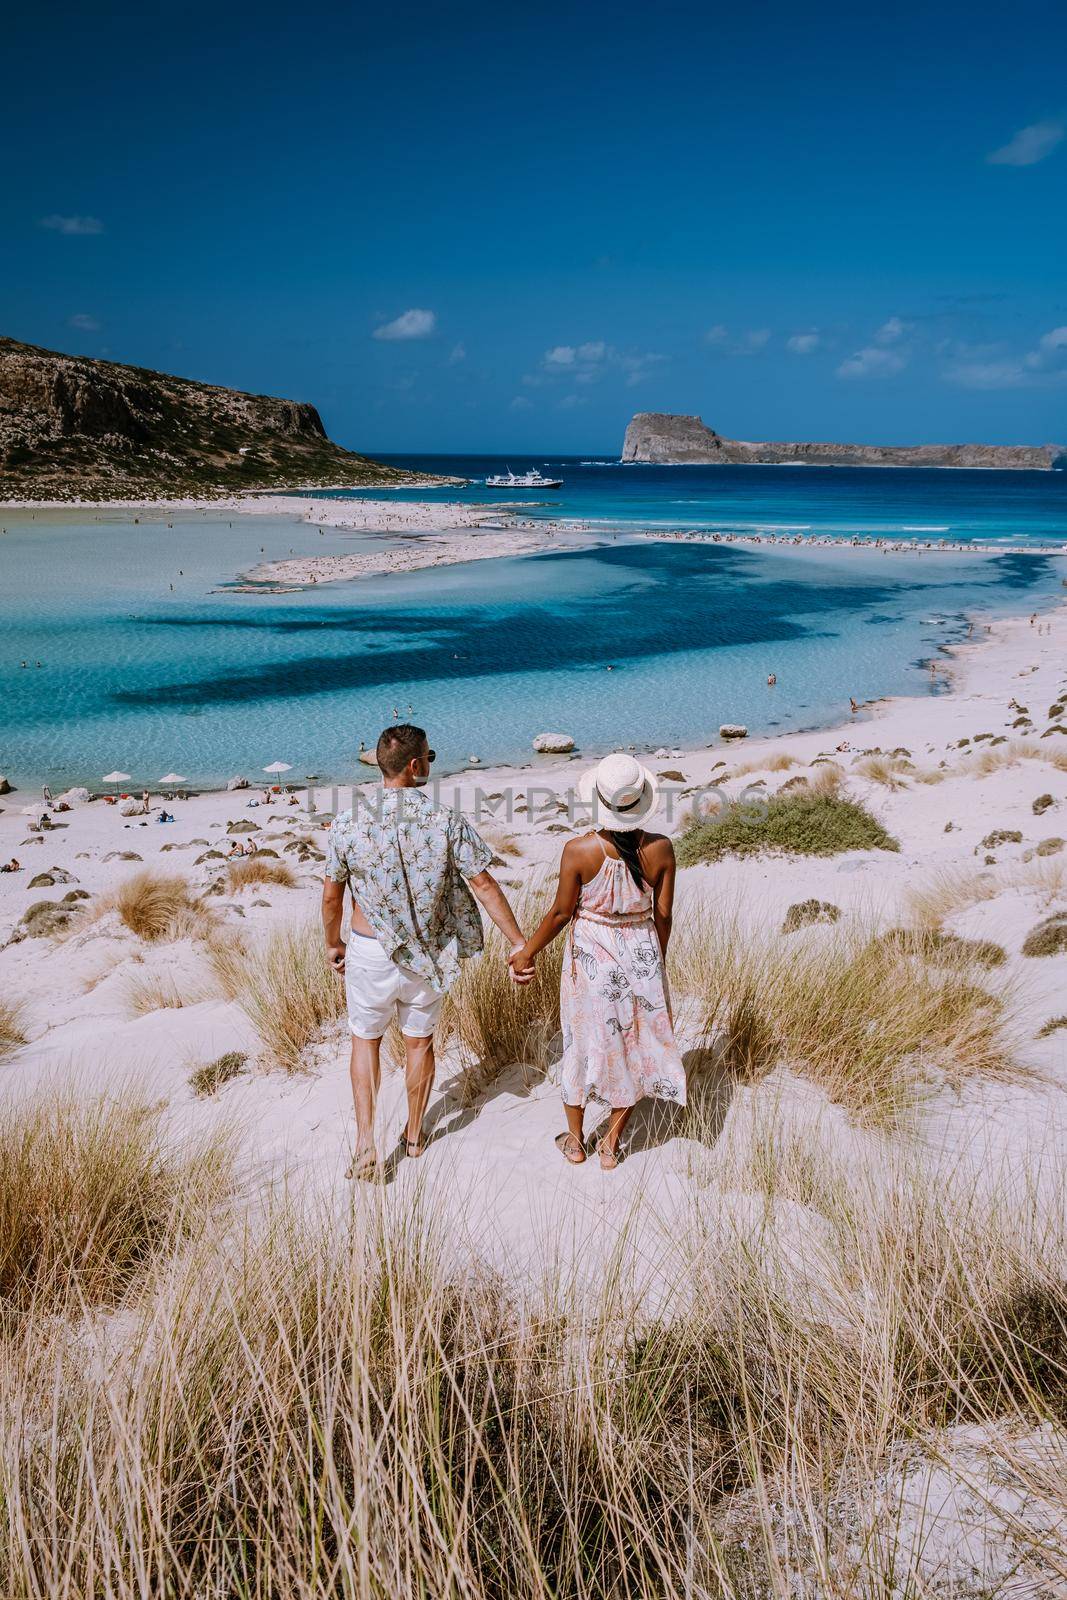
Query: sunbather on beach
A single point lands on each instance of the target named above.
(616, 896)
(410, 867)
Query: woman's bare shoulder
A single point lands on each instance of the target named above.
(657, 846)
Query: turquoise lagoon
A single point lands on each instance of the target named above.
(150, 663)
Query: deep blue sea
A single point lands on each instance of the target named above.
(144, 667)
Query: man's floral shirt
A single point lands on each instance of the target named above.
(404, 862)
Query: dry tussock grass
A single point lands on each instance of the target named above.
(156, 991)
(497, 1022)
(246, 870)
(92, 1191)
(781, 762)
(159, 907)
(285, 986)
(946, 894)
(500, 840)
(11, 1032)
(870, 1020)
(888, 770)
(981, 764)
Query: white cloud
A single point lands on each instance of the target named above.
(457, 354)
(414, 324)
(571, 400)
(743, 344)
(520, 403)
(72, 225)
(590, 362)
(1054, 340)
(891, 332)
(802, 344)
(1045, 366)
(1030, 145)
(871, 362)
(83, 322)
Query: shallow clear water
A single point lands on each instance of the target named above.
(149, 678)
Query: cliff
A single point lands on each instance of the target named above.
(659, 436)
(71, 427)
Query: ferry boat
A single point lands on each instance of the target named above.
(522, 480)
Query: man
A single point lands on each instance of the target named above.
(407, 865)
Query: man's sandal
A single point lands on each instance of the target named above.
(570, 1148)
(364, 1167)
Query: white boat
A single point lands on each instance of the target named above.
(522, 480)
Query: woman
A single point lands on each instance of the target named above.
(616, 888)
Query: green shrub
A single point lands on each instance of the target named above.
(213, 1074)
(806, 912)
(1049, 938)
(798, 823)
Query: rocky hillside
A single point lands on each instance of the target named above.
(72, 428)
(659, 436)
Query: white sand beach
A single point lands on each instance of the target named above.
(81, 1024)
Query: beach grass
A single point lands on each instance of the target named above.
(803, 821)
(159, 907)
(499, 1023)
(326, 1405)
(870, 1019)
(246, 870)
(91, 1191)
(284, 985)
(12, 1035)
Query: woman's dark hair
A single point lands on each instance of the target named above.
(626, 844)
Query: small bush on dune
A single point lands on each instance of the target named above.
(209, 1078)
(933, 945)
(157, 907)
(11, 1034)
(799, 823)
(253, 869)
(807, 912)
(781, 762)
(1053, 1025)
(90, 1192)
(1049, 938)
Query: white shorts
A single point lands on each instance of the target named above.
(377, 990)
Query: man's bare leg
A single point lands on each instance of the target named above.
(419, 1074)
(366, 1075)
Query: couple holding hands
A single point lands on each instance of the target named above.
(416, 873)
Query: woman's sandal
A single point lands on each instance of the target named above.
(609, 1158)
(414, 1148)
(566, 1143)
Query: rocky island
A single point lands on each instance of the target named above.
(664, 438)
(76, 428)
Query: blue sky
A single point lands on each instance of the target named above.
(490, 228)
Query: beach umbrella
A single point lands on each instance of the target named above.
(173, 777)
(278, 766)
(36, 811)
(115, 777)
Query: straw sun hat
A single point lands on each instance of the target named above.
(622, 793)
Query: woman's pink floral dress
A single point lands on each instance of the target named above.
(618, 1038)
